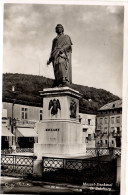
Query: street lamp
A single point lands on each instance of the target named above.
(13, 120)
(98, 150)
(98, 144)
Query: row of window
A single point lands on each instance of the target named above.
(110, 112)
(115, 129)
(88, 121)
(105, 142)
(113, 120)
(24, 113)
(31, 139)
(99, 142)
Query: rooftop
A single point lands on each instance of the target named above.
(112, 105)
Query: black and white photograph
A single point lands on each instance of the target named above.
(63, 115)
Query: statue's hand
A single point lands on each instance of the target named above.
(48, 62)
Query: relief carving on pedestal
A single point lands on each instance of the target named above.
(73, 109)
(54, 105)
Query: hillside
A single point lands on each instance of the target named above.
(28, 87)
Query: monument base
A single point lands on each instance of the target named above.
(70, 151)
(59, 150)
(60, 132)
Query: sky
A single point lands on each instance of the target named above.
(95, 30)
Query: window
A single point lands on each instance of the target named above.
(118, 119)
(101, 121)
(4, 118)
(89, 137)
(118, 111)
(112, 120)
(84, 129)
(86, 139)
(89, 121)
(106, 141)
(105, 130)
(112, 129)
(41, 115)
(83, 120)
(105, 120)
(112, 142)
(118, 130)
(24, 113)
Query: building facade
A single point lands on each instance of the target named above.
(23, 125)
(109, 125)
(6, 131)
(23, 112)
(25, 122)
(88, 129)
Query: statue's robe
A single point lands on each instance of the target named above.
(61, 58)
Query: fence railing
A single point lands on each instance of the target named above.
(103, 151)
(89, 151)
(25, 150)
(117, 152)
(10, 150)
(97, 151)
(22, 165)
(78, 170)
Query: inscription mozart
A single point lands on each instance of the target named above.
(52, 129)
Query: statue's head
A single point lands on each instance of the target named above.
(59, 28)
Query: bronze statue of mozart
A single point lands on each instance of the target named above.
(61, 58)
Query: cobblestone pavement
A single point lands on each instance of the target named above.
(17, 185)
(11, 185)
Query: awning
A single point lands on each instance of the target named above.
(6, 132)
(26, 132)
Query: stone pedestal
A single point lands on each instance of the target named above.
(60, 132)
(118, 171)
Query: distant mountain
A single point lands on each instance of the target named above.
(28, 86)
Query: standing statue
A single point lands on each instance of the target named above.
(73, 109)
(61, 58)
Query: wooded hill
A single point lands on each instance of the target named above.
(27, 89)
